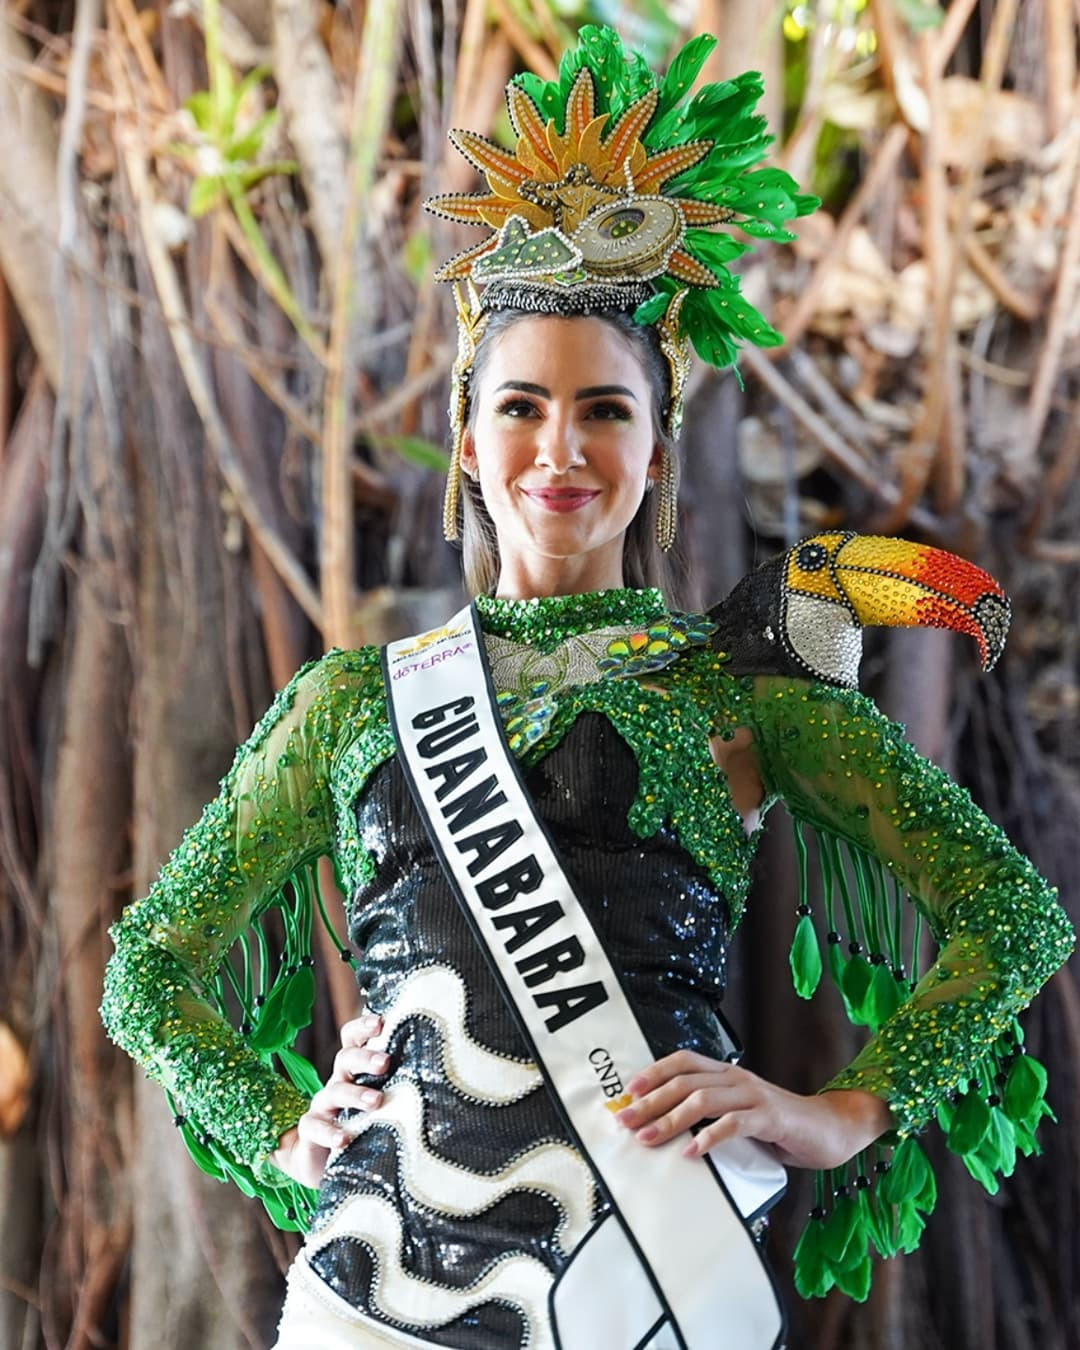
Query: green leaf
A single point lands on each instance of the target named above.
(299, 999)
(202, 1155)
(417, 256)
(879, 1226)
(813, 1274)
(909, 1226)
(415, 450)
(918, 15)
(684, 70)
(841, 1228)
(999, 1147)
(201, 109)
(884, 997)
(858, 977)
(855, 1280)
(205, 195)
(715, 250)
(970, 1124)
(303, 1073)
(247, 146)
(1024, 1087)
(981, 1172)
(272, 1028)
(240, 91)
(651, 310)
(277, 1204)
(906, 1179)
(805, 958)
(834, 958)
(246, 179)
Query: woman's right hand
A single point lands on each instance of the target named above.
(303, 1151)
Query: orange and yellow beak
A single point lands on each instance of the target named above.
(897, 584)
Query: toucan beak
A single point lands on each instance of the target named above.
(895, 583)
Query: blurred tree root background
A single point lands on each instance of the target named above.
(223, 368)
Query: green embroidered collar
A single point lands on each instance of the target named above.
(546, 621)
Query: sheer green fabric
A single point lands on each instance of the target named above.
(887, 822)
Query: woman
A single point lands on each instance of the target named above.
(456, 1193)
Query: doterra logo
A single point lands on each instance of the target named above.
(610, 1083)
(427, 650)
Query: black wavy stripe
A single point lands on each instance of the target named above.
(441, 1247)
(481, 1137)
(666, 931)
(347, 1265)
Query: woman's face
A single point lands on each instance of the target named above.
(562, 446)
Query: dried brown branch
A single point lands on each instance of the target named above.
(167, 285)
(537, 58)
(372, 100)
(1062, 308)
(1060, 37)
(156, 88)
(28, 204)
(942, 423)
(881, 169)
(309, 92)
(844, 456)
(1016, 301)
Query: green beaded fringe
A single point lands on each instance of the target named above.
(273, 1012)
(880, 1200)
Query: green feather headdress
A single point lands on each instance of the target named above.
(611, 198)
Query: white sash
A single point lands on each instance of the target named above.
(675, 1265)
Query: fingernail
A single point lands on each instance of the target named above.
(635, 1086)
(371, 1098)
(626, 1116)
(379, 1060)
(647, 1133)
(372, 1019)
(692, 1149)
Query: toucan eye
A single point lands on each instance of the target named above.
(812, 557)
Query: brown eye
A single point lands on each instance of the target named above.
(516, 407)
(610, 412)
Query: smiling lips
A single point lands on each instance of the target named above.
(561, 499)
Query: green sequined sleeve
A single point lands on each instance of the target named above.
(845, 769)
(273, 814)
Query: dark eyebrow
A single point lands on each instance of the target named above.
(593, 391)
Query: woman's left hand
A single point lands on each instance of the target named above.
(683, 1089)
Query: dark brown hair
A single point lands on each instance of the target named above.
(643, 562)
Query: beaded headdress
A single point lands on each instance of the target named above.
(608, 200)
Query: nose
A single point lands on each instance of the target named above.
(558, 445)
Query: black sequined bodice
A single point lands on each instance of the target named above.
(665, 929)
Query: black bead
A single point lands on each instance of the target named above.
(882, 1165)
(260, 1000)
(877, 959)
(833, 937)
(861, 1182)
(308, 962)
(802, 909)
(818, 1212)
(899, 973)
(840, 1192)
(345, 954)
(290, 1213)
(246, 1028)
(179, 1120)
(854, 948)
(993, 1100)
(291, 970)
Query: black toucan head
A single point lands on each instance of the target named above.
(803, 613)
